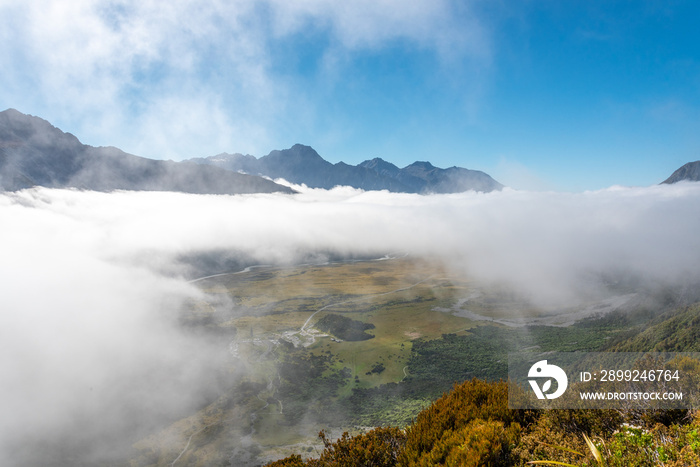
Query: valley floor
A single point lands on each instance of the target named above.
(397, 333)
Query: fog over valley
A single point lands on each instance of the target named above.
(93, 353)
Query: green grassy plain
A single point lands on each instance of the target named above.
(397, 296)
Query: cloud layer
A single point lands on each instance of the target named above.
(91, 281)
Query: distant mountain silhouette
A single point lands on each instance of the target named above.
(302, 165)
(33, 152)
(689, 172)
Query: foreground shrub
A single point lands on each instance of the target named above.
(471, 425)
(377, 448)
(480, 443)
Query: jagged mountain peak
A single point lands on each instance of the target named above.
(379, 163)
(298, 151)
(422, 165)
(301, 164)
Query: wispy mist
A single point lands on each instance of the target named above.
(198, 65)
(92, 282)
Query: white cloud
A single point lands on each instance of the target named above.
(107, 69)
(442, 25)
(90, 348)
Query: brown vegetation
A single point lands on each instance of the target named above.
(472, 426)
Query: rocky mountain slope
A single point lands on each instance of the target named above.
(33, 152)
(689, 172)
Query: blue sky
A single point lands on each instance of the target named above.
(544, 95)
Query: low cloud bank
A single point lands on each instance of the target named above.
(91, 281)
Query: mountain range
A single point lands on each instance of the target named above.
(34, 152)
(303, 165)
